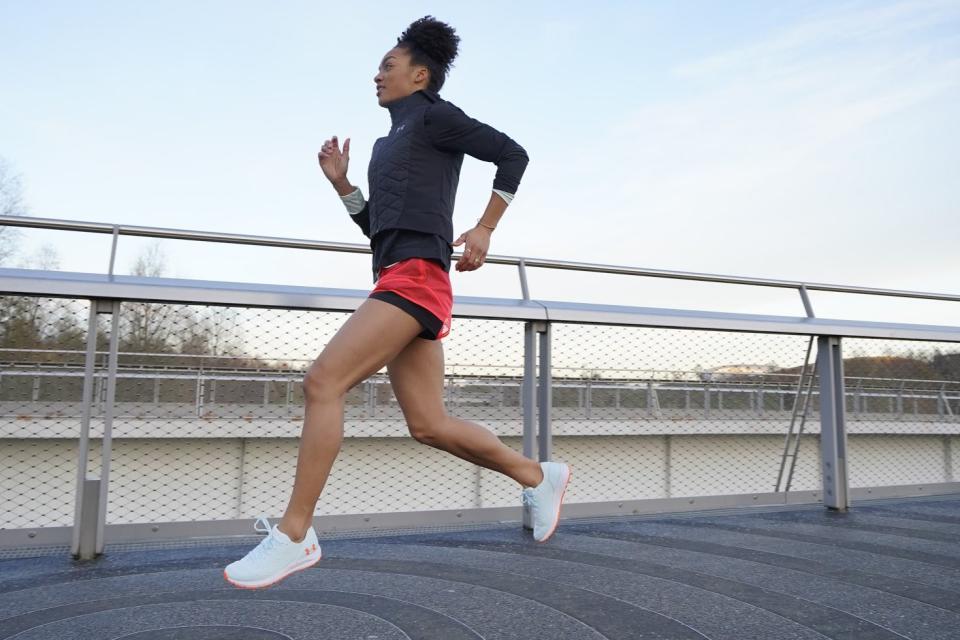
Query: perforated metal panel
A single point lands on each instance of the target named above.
(906, 395)
(656, 413)
(215, 433)
(42, 343)
(209, 408)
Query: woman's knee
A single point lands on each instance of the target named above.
(427, 430)
(322, 383)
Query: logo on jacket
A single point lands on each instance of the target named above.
(400, 128)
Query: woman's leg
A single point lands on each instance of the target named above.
(416, 375)
(371, 337)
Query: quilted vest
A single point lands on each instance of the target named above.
(412, 184)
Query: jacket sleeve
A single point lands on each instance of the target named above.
(358, 208)
(450, 129)
(362, 218)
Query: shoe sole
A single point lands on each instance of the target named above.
(556, 517)
(272, 581)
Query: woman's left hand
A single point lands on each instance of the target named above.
(475, 253)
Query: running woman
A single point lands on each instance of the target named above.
(412, 176)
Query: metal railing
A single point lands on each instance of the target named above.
(668, 437)
(867, 398)
(118, 230)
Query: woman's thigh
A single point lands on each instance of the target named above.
(416, 375)
(371, 337)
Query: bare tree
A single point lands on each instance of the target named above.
(149, 326)
(224, 330)
(41, 324)
(45, 258)
(213, 331)
(11, 204)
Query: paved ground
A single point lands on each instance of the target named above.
(885, 570)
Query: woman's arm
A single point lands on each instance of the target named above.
(450, 129)
(334, 165)
(477, 239)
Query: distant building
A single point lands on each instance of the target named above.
(732, 371)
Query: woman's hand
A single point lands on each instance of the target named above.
(477, 241)
(332, 161)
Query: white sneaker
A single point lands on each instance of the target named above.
(273, 559)
(545, 499)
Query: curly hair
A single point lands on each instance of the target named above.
(432, 44)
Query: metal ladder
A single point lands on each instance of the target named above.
(790, 448)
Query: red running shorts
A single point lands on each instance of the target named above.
(421, 287)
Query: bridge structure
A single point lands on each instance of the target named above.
(823, 502)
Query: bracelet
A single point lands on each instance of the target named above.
(486, 225)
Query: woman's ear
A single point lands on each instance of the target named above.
(422, 75)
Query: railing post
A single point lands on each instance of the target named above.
(545, 396)
(107, 446)
(198, 394)
(90, 507)
(536, 394)
(83, 543)
(833, 432)
(588, 400)
(289, 399)
(528, 399)
(522, 269)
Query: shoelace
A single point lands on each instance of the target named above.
(266, 525)
(528, 498)
(268, 543)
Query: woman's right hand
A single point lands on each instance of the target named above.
(333, 162)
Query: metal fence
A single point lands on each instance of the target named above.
(140, 408)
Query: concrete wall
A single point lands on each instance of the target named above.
(178, 479)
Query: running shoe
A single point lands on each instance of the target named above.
(544, 500)
(276, 557)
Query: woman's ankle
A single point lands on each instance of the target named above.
(535, 477)
(296, 532)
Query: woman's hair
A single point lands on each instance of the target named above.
(432, 44)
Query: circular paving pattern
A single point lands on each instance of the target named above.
(885, 570)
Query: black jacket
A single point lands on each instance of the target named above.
(413, 175)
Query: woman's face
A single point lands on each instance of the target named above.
(397, 78)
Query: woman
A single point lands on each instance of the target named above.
(412, 178)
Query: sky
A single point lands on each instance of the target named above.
(813, 141)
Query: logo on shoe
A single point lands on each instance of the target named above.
(309, 549)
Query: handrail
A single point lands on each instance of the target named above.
(641, 374)
(520, 262)
(34, 282)
(731, 386)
